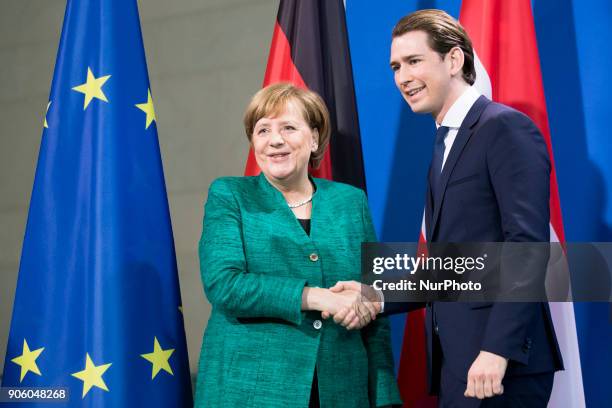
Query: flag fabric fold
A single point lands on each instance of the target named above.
(97, 308)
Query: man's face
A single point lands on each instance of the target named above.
(422, 76)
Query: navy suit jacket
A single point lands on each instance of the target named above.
(494, 188)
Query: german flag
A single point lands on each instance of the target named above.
(310, 49)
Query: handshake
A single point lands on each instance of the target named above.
(350, 304)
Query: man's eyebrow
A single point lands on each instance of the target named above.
(412, 56)
(408, 57)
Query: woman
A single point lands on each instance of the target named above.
(270, 246)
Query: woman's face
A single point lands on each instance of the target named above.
(283, 143)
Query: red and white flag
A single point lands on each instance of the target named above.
(503, 34)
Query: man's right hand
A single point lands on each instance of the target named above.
(363, 312)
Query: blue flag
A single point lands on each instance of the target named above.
(97, 308)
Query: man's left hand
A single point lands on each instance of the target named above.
(485, 376)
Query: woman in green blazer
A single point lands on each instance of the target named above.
(270, 247)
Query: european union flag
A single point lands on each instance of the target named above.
(97, 308)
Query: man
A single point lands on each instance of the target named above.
(488, 182)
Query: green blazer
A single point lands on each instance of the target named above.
(259, 348)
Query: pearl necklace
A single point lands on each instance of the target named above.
(301, 203)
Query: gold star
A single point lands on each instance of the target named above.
(27, 360)
(45, 124)
(92, 88)
(148, 108)
(92, 375)
(159, 358)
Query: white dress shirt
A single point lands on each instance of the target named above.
(455, 116)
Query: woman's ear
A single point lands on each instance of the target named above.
(315, 140)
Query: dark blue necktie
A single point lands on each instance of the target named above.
(436, 161)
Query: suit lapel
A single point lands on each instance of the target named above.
(269, 197)
(463, 136)
(274, 202)
(428, 207)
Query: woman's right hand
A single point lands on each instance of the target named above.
(335, 302)
(348, 307)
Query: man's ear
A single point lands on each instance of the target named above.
(457, 59)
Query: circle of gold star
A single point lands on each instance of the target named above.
(92, 375)
(27, 360)
(148, 108)
(159, 358)
(92, 88)
(46, 125)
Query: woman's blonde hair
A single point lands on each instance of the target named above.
(273, 99)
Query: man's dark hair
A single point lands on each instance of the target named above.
(444, 33)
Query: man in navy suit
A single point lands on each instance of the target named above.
(488, 182)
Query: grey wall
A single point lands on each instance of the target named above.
(205, 58)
